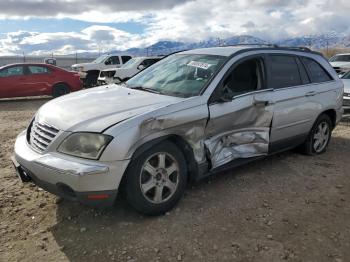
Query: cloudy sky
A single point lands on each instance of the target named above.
(68, 26)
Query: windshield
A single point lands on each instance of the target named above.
(130, 63)
(178, 75)
(346, 76)
(100, 59)
(340, 58)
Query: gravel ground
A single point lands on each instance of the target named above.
(288, 207)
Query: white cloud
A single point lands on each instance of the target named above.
(94, 38)
(185, 20)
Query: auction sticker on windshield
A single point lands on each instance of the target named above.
(199, 65)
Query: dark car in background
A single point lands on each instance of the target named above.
(21, 80)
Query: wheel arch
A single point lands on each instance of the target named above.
(332, 114)
(61, 83)
(178, 141)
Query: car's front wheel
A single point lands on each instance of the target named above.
(156, 179)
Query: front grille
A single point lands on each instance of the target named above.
(109, 74)
(41, 135)
(337, 69)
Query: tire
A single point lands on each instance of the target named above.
(156, 179)
(323, 124)
(60, 90)
(91, 80)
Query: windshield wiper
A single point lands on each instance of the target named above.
(146, 89)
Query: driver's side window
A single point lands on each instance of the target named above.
(113, 60)
(244, 78)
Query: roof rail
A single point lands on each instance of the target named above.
(302, 48)
(269, 45)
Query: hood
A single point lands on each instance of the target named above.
(80, 65)
(346, 85)
(96, 109)
(340, 64)
(110, 69)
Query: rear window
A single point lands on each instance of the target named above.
(317, 73)
(284, 71)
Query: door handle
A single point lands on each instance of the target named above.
(262, 102)
(311, 93)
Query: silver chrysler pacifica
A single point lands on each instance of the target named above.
(188, 116)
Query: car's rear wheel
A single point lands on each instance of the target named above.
(60, 90)
(319, 136)
(156, 180)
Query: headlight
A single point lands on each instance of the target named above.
(81, 69)
(85, 145)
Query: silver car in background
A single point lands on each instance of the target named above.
(346, 101)
(188, 116)
(340, 63)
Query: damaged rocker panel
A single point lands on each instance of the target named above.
(243, 143)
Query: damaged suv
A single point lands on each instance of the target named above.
(188, 116)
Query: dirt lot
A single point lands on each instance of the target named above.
(286, 207)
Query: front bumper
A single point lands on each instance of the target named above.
(346, 105)
(105, 81)
(82, 75)
(86, 181)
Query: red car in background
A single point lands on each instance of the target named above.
(19, 80)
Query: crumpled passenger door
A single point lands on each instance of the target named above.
(239, 128)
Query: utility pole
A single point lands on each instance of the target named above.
(24, 58)
(219, 41)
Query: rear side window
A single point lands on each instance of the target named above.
(38, 70)
(284, 71)
(317, 73)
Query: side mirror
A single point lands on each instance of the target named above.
(225, 98)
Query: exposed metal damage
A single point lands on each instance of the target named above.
(237, 144)
(224, 147)
(193, 132)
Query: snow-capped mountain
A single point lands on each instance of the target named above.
(321, 41)
(316, 42)
(166, 47)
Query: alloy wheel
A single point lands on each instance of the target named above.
(321, 137)
(159, 177)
